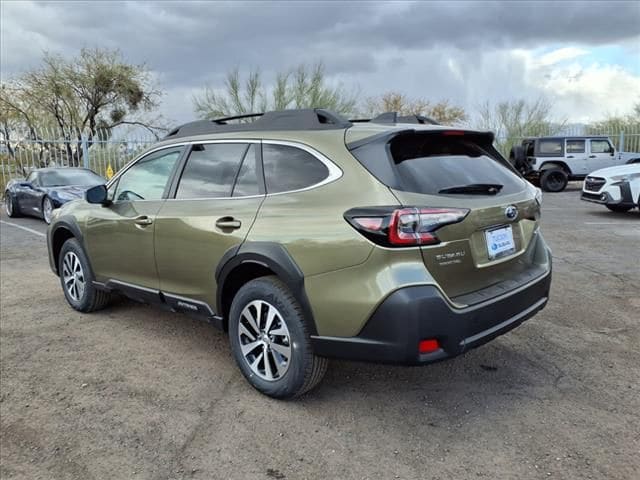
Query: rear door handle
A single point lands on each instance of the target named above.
(592, 156)
(228, 223)
(143, 220)
(570, 156)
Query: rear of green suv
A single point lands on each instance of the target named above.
(306, 237)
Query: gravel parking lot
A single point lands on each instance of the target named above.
(136, 392)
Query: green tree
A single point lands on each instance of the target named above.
(614, 125)
(515, 119)
(442, 112)
(90, 95)
(302, 87)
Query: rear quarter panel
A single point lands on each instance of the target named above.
(310, 223)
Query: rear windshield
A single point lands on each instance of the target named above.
(429, 163)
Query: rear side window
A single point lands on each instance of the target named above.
(551, 147)
(247, 181)
(289, 168)
(429, 163)
(575, 146)
(211, 170)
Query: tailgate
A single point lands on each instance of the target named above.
(463, 262)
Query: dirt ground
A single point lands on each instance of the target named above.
(134, 392)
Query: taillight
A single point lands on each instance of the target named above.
(403, 227)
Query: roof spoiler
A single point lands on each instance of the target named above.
(385, 137)
(395, 117)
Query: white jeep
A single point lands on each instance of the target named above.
(551, 162)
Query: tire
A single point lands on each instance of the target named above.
(554, 180)
(75, 270)
(517, 158)
(279, 377)
(11, 205)
(618, 208)
(47, 209)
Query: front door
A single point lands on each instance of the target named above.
(601, 154)
(214, 205)
(119, 237)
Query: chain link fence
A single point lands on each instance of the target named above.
(625, 139)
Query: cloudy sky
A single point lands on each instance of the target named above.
(583, 56)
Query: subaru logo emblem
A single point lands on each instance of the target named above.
(511, 212)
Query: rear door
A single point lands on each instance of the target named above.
(488, 246)
(576, 155)
(214, 203)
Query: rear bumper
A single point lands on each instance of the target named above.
(411, 314)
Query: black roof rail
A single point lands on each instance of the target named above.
(224, 120)
(301, 119)
(395, 117)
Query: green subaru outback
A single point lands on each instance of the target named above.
(306, 237)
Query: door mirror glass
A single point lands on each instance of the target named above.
(97, 195)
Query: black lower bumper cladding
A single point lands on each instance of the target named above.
(411, 314)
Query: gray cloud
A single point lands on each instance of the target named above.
(190, 44)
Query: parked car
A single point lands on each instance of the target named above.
(617, 188)
(46, 189)
(306, 236)
(552, 162)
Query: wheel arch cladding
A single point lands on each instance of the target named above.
(555, 164)
(63, 231)
(252, 260)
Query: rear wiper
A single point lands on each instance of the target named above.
(474, 188)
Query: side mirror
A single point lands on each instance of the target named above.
(26, 184)
(97, 195)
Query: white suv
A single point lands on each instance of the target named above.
(617, 188)
(552, 161)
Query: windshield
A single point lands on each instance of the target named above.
(69, 176)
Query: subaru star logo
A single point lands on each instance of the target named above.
(511, 212)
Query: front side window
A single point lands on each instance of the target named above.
(148, 177)
(211, 170)
(289, 168)
(601, 146)
(575, 146)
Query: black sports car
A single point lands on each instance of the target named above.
(46, 189)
